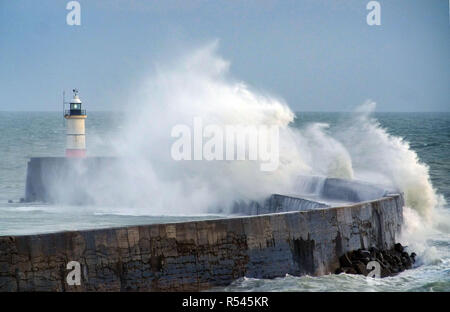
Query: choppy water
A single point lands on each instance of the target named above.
(26, 134)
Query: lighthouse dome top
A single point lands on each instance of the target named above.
(76, 99)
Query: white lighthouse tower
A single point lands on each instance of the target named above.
(76, 134)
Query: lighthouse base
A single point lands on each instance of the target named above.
(75, 153)
(65, 179)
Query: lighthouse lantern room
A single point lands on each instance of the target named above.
(75, 134)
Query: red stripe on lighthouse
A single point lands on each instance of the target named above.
(75, 152)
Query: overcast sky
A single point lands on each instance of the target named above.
(318, 55)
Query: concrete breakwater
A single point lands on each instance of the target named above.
(87, 180)
(198, 255)
(304, 233)
(68, 180)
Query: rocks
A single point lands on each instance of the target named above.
(398, 247)
(391, 262)
(345, 261)
(361, 268)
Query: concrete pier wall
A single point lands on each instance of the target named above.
(82, 180)
(66, 180)
(199, 255)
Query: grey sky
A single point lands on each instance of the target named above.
(318, 55)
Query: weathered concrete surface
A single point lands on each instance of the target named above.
(199, 255)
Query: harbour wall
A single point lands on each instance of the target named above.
(82, 180)
(67, 180)
(199, 255)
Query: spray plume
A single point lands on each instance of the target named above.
(200, 85)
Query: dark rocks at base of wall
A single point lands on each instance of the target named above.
(391, 262)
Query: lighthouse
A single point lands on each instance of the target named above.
(76, 134)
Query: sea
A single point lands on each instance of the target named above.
(34, 134)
